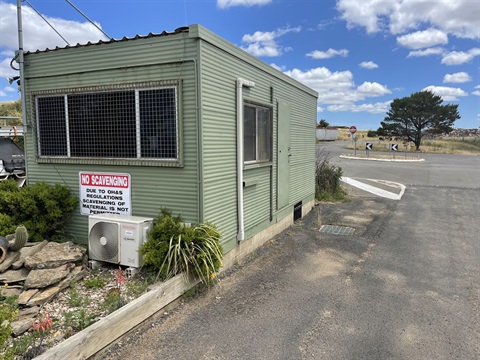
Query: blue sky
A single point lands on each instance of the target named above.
(358, 55)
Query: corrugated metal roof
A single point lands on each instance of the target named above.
(101, 42)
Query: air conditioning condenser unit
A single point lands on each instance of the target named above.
(117, 238)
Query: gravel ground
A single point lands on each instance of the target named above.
(87, 301)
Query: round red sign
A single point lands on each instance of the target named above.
(352, 130)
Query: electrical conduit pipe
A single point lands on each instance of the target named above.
(240, 84)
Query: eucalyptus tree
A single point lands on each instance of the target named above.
(412, 116)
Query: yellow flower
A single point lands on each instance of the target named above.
(212, 276)
(5, 286)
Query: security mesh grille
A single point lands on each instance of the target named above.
(158, 128)
(133, 123)
(102, 125)
(52, 126)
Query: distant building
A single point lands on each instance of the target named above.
(327, 134)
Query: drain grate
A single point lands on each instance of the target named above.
(337, 230)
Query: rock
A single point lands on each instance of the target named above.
(54, 255)
(22, 325)
(25, 296)
(48, 293)
(11, 257)
(28, 312)
(11, 291)
(41, 278)
(28, 250)
(24, 320)
(14, 276)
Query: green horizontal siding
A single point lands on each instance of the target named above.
(143, 60)
(218, 93)
(205, 188)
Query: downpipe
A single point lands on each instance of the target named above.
(240, 84)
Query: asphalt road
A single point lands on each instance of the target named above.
(436, 170)
(405, 285)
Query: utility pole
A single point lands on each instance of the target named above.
(20, 60)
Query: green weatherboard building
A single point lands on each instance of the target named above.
(181, 120)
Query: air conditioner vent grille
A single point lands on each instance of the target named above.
(104, 241)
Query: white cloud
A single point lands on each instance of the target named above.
(263, 43)
(373, 89)
(426, 52)
(37, 35)
(7, 52)
(9, 90)
(447, 93)
(5, 69)
(423, 39)
(365, 13)
(374, 108)
(460, 77)
(460, 57)
(368, 65)
(459, 18)
(317, 54)
(278, 67)
(476, 92)
(223, 4)
(337, 89)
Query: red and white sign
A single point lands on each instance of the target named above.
(105, 193)
(353, 129)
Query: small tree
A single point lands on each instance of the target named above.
(422, 111)
(323, 123)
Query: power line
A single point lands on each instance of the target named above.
(47, 22)
(86, 17)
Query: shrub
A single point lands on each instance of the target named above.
(173, 248)
(328, 179)
(371, 133)
(155, 249)
(6, 225)
(43, 209)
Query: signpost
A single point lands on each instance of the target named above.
(368, 148)
(353, 130)
(393, 149)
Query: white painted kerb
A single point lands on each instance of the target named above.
(374, 190)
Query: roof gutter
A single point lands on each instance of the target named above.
(240, 84)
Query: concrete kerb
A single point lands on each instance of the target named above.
(353, 157)
(98, 336)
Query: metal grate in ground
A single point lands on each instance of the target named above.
(337, 230)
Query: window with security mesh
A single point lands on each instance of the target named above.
(257, 133)
(52, 127)
(121, 124)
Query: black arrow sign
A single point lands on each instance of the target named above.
(394, 147)
(368, 146)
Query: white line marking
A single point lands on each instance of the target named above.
(375, 190)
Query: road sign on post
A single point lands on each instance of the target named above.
(393, 149)
(368, 147)
(353, 130)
